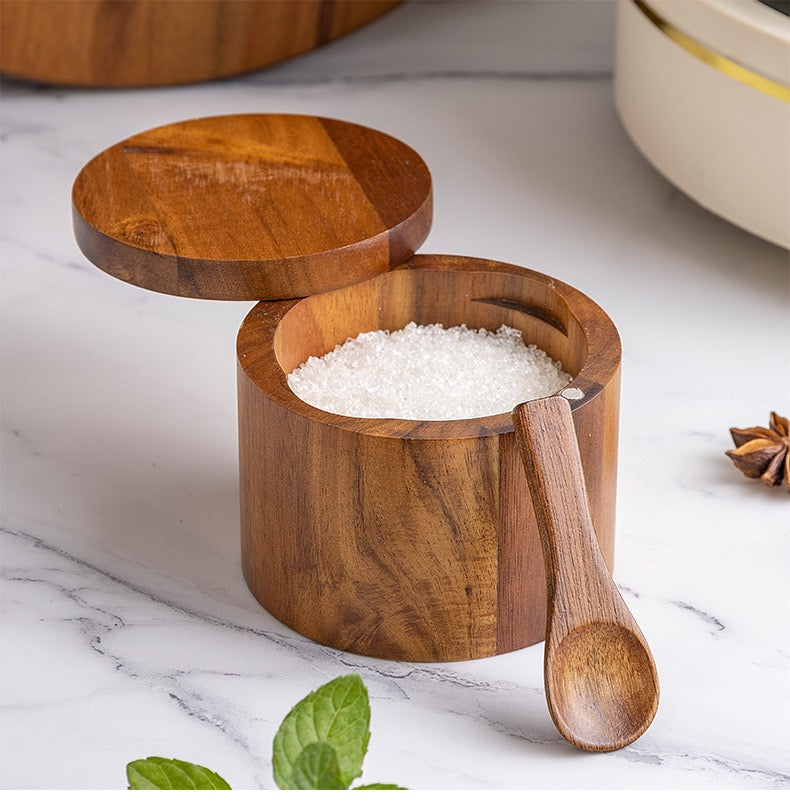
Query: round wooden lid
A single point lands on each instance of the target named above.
(252, 207)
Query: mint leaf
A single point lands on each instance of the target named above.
(170, 773)
(338, 713)
(316, 768)
(380, 786)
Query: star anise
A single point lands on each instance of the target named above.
(763, 453)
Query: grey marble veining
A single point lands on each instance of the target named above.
(127, 629)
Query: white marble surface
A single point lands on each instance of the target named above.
(127, 628)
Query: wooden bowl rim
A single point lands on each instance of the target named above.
(600, 366)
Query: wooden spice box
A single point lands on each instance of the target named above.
(399, 539)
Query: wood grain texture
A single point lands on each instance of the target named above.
(405, 539)
(130, 43)
(252, 206)
(601, 681)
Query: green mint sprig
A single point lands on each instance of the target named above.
(155, 772)
(337, 718)
(320, 744)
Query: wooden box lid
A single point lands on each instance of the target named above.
(252, 207)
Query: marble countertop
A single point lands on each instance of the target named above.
(127, 627)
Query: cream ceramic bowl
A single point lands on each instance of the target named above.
(703, 90)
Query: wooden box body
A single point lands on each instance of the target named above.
(402, 539)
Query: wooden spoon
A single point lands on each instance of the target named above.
(600, 678)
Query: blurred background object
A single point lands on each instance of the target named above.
(134, 43)
(703, 90)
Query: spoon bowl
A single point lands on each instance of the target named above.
(602, 686)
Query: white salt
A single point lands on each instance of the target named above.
(427, 372)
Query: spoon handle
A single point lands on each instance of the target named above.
(579, 586)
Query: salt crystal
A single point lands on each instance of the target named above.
(427, 372)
